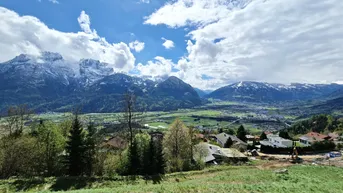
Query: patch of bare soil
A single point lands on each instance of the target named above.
(273, 164)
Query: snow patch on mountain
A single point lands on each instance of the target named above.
(93, 70)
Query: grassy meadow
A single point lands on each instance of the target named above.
(253, 178)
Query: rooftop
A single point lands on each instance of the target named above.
(314, 136)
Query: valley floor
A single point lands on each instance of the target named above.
(258, 177)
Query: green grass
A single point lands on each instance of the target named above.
(215, 179)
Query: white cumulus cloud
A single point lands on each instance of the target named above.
(156, 69)
(168, 44)
(137, 46)
(144, 1)
(260, 40)
(54, 1)
(28, 35)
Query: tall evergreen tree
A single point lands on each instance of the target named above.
(263, 136)
(241, 133)
(160, 163)
(228, 143)
(149, 160)
(75, 149)
(134, 161)
(90, 149)
(230, 132)
(284, 134)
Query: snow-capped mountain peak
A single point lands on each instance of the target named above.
(50, 56)
(93, 70)
(262, 91)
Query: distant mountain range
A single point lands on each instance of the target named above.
(49, 83)
(267, 92)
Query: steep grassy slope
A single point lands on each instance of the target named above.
(215, 179)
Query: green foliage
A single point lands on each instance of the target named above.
(263, 136)
(230, 131)
(113, 165)
(200, 152)
(142, 141)
(50, 145)
(145, 156)
(323, 146)
(134, 162)
(65, 127)
(18, 156)
(90, 149)
(177, 143)
(241, 133)
(75, 149)
(228, 143)
(153, 162)
(284, 134)
(318, 123)
(160, 163)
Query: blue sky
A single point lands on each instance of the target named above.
(117, 20)
(208, 44)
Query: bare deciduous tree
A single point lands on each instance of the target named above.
(132, 117)
(16, 118)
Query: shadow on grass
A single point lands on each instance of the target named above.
(27, 184)
(68, 183)
(156, 179)
(75, 183)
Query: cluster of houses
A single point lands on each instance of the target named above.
(214, 154)
(218, 153)
(304, 140)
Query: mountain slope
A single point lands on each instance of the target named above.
(266, 92)
(35, 80)
(49, 83)
(202, 93)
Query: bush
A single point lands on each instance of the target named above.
(340, 146)
(322, 146)
(199, 164)
(115, 164)
(18, 156)
(316, 147)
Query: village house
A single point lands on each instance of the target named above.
(114, 143)
(334, 136)
(250, 137)
(237, 143)
(313, 137)
(277, 141)
(156, 135)
(217, 154)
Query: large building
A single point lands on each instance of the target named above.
(237, 143)
(313, 137)
(216, 154)
(276, 141)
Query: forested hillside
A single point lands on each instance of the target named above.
(318, 123)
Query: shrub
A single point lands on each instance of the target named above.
(115, 164)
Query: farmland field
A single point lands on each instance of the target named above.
(211, 116)
(253, 178)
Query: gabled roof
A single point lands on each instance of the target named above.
(230, 153)
(215, 151)
(333, 135)
(222, 137)
(277, 137)
(211, 150)
(314, 136)
(115, 143)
